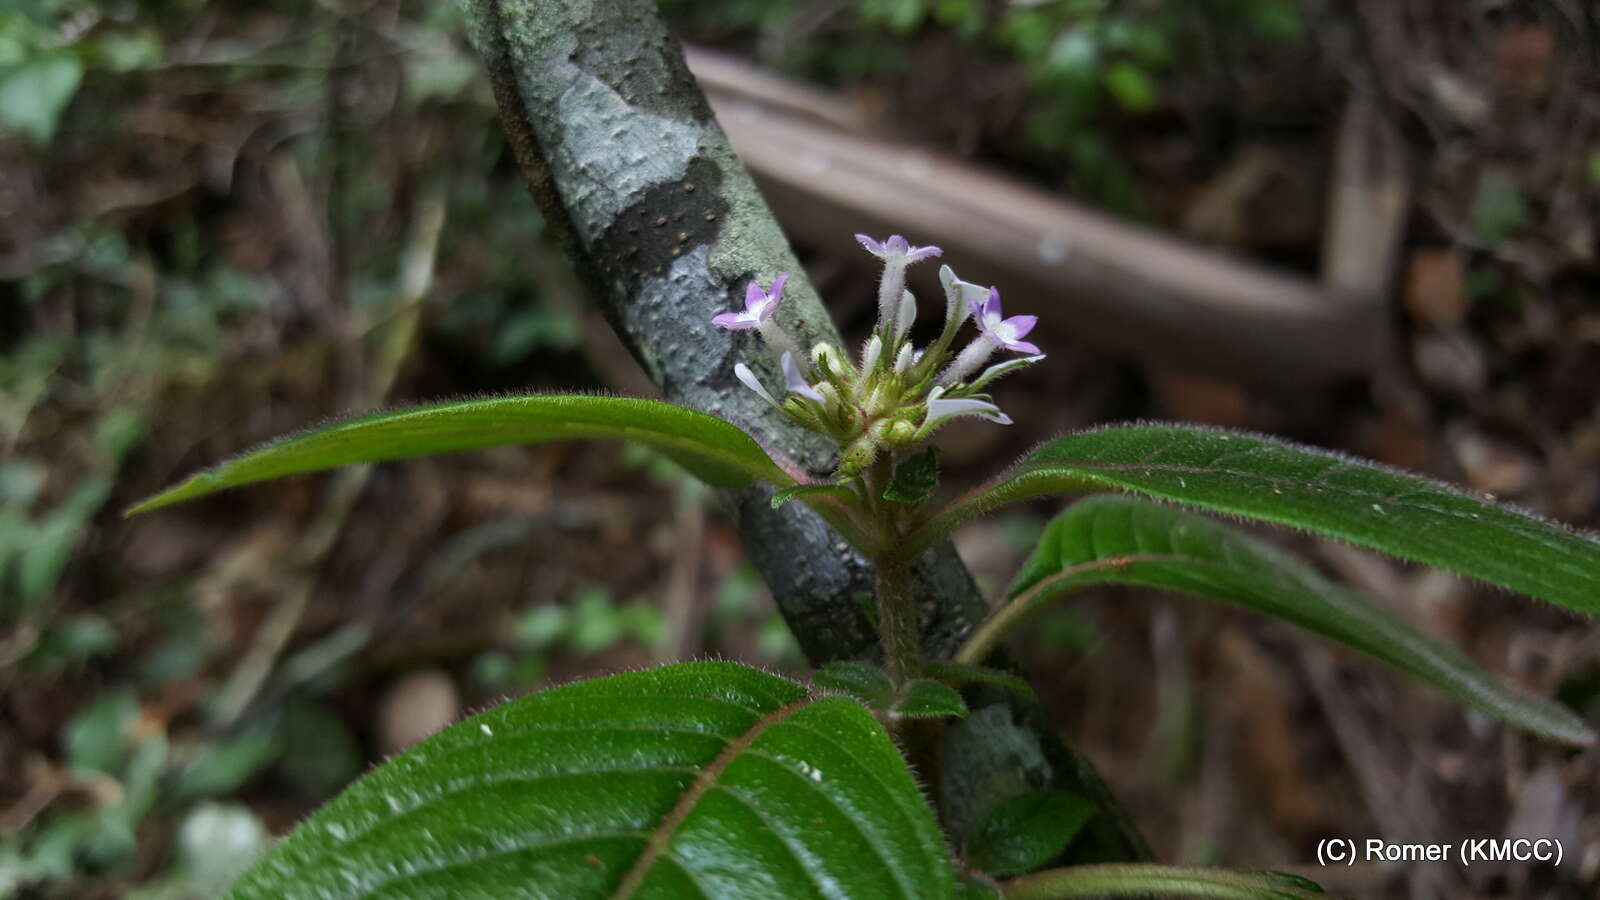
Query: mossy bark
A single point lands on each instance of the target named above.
(636, 179)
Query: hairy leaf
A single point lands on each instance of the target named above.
(1110, 538)
(1116, 880)
(925, 698)
(863, 681)
(1348, 499)
(915, 478)
(1024, 832)
(695, 780)
(712, 449)
(967, 675)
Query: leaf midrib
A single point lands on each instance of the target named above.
(661, 836)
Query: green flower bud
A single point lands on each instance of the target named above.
(801, 413)
(857, 457)
(831, 362)
(900, 433)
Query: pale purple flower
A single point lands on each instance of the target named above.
(897, 247)
(1007, 333)
(796, 382)
(759, 305)
(896, 253)
(994, 332)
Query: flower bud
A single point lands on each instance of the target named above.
(900, 433)
(857, 457)
(904, 359)
(830, 395)
(801, 413)
(831, 362)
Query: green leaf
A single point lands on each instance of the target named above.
(1499, 211)
(47, 545)
(320, 755)
(693, 780)
(1024, 832)
(1125, 540)
(97, 738)
(1116, 880)
(928, 699)
(915, 478)
(973, 887)
(222, 767)
(967, 675)
(865, 682)
(1260, 478)
(715, 451)
(1131, 86)
(34, 94)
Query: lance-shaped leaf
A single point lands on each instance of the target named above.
(715, 451)
(1337, 496)
(1107, 538)
(696, 780)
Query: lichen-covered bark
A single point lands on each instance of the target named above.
(626, 160)
(633, 174)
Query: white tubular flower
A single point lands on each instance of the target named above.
(958, 296)
(941, 411)
(905, 358)
(870, 354)
(743, 373)
(904, 319)
(796, 382)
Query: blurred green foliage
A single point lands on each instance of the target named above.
(193, 213)
(1087, 62)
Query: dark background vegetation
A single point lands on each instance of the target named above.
(217, 222)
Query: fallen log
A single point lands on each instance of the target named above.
(1177, 305)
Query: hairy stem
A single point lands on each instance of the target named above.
(1000, 622)
(1156, 881)
(897, 622)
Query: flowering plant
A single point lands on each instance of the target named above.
(712, 779)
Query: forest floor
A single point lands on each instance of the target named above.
(209, 246)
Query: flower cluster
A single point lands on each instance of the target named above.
(893, 395)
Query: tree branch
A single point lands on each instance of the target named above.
(639, 183)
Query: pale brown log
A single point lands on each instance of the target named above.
(1165, 300)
